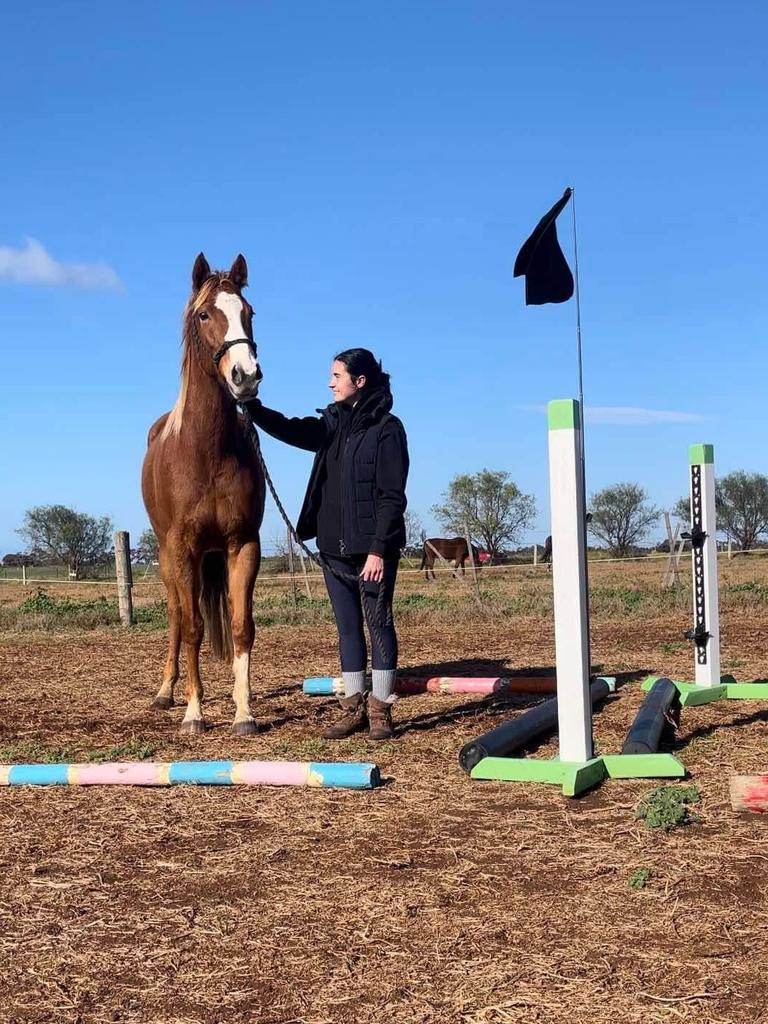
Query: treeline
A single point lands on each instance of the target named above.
(488, 504)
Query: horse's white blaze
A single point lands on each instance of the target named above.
(241, 667)
(231, 306)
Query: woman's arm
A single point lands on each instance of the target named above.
(307, 432)
(391, 476)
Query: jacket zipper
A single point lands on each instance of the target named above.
(342, 545)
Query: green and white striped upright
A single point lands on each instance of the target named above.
(569, 580)
(706, 616)
(576, 768)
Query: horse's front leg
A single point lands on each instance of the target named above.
(243, 565)
(187, 570)
(164, 698)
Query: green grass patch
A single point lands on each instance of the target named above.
(668, 807)
(639, 879)
(152, 616)
(422, 603)
(35, 752)
(310, 749)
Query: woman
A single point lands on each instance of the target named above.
(354, 506)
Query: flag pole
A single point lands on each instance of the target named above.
(578, 310)
(581, 410)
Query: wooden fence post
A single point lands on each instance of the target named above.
(468, 539)
(124, 577)
(23, 575)
(291, 568)
(304, 571)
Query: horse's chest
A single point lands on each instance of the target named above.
(229, 499)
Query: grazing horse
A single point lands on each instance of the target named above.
(204, 492)
(546, 554)
(452, 549)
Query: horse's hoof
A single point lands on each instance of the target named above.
(163, 703)
(193, 727)
(249, 727)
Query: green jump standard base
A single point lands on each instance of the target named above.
(575, 777)
(692, 695)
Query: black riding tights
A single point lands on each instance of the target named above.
(347, 608)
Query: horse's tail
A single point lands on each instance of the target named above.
(423, 557)
(215, 606)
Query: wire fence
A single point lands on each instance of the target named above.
(143, 575)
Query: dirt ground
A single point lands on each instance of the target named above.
(433, 898)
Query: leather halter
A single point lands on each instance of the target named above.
(223, 349)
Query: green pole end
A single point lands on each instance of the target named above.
(563, 414)
(700, 454)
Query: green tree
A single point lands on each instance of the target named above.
(621, 516)
(491, 505)
(413, 530)
(75, 538)
(741, 507)
(148, 549)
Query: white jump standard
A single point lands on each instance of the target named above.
(576, 768)
(708, 685)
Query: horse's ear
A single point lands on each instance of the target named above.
(238, 273)
(200, 272)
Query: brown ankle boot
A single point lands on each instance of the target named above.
(380, 719)
(353, 718)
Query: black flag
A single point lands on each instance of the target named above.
(548, 277)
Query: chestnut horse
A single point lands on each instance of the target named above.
(451, 549)
(204, 492)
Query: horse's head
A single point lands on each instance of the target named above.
(219, 320)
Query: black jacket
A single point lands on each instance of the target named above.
(373, 462)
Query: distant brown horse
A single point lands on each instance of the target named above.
(452, 549)
(204, 492)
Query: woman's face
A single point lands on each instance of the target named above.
(344, 388)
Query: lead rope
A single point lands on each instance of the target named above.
(382, 615)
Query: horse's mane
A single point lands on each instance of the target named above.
(211, 285)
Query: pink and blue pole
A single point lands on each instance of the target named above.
(313, 774)
(333, 686)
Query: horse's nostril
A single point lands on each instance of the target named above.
(237, 376)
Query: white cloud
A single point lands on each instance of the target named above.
(33, 264)
(634, 416)
(627, 415)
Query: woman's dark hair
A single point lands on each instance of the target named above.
(360, 362)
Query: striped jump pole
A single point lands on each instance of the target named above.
(333, 686)
(708, 685)
(313, 774)
(576, 769)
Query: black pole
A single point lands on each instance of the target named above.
(658, 710)
(517, 732)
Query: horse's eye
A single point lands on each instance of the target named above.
(204, 315)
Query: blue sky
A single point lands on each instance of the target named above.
(379, 165)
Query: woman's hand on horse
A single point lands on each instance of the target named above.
(373, 570)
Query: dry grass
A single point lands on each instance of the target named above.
(431, 899)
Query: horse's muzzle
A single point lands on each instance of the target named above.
(242, 385)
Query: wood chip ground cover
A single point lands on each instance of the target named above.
(430, 899)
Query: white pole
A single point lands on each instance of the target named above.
(23, 575)
(706, 616)
(569, 578)
(535, 554)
